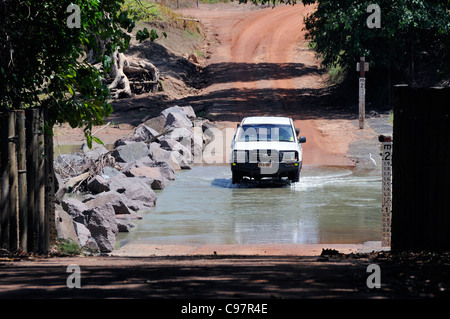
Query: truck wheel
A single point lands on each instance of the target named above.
(295, 177)
(236, 178)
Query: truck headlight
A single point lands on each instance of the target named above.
(240, 156)
(288, 156)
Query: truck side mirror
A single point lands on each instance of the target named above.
(302, 139)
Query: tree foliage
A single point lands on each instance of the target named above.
(45, 63)
(410, 31)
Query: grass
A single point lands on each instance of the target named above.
(158, 15)
(67, 247)
(337, 74)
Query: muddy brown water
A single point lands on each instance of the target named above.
(329, 205)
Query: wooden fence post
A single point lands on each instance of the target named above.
(50, 228)
(13, 184)
(32, 149)
(4, 200)
(41, 185)
(22, 170)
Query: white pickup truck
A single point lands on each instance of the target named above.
(266, 147)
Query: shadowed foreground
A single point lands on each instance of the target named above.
(266, 277)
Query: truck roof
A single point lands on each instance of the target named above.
(266, 120)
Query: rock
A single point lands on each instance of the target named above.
(166, 170)
(74, 208)
(60, 188)
(116, 200)
(83, 233)
(209, 130)
(160, 155)
(177, 120)
(173, 152)
(97, 185)
(188, 111)
(172, 145)
(145, 161)
(183, 135)
(144, 133)
(102, 223)
(158, 182)
(193, 57)
(136, 190)
(141, 192)
(125, 226)
(96, 153)
(179, 160)
(130, 152)
(108, 172)
(156, 123)
(64, 225)
(91, 246)
(128, 216)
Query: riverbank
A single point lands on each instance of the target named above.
(148, 250)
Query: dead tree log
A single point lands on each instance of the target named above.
(120, 87)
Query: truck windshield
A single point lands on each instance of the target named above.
(266, 133)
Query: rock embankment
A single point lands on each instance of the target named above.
(101, 191)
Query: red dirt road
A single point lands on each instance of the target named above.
(266, 63)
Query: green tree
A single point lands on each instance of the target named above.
(46, 63)
(410, 31)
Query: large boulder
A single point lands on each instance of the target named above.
(177, 120)
(83, 233)
(125, 226)
(108, 172)
(209, 131)
(64, 225)
(166, 170)
(130, 152)
(159, 155)
(116, 200)
(152, 173)
(96, 153)
(137, 190)
(102, 223)
(145, 161)
(143, 133)
(74, 208)
(173, 145)
(187, 111)
(156, 123)
(97, 184)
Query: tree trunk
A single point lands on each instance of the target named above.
(120, 87)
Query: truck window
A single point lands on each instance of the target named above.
(266, 133)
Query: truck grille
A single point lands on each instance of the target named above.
(264, 156)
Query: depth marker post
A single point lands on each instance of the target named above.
(362, 67)
(386, 171)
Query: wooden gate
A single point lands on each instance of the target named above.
(27, 210)
(421, 170)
